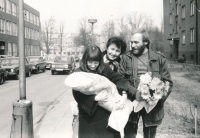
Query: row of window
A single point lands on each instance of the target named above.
(32, 34)
(30, 17)
(184, 36)
(192, 11)
(191, 36)
(7, 27)
(29, 49)
(11, 8)
(68, 53)
(10, 28)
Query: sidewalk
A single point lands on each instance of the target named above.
(56, 122)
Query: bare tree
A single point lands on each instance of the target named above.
(136, 19)
(84, 37)
(47, 34)
(124, 32)
(148, 23)
(60, 35)
(108, 29)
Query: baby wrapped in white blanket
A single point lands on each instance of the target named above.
(89, 83)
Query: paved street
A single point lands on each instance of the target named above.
(43, 90)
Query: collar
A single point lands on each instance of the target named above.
(105, 59)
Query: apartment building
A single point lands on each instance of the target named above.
(9, 29)
(182, 29)
(68, 47)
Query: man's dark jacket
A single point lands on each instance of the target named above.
(158, 66)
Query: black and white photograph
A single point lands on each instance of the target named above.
(100, 68)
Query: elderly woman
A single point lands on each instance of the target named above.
(115, 47)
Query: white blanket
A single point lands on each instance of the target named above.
(89, 83)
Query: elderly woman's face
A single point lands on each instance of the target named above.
(93, 65)
(113, 52)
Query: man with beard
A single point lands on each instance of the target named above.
(139, 60)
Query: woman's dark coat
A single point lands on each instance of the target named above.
(93, 119)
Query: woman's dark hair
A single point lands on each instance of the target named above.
(119, 42)
(92, 53)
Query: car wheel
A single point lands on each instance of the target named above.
(44, 69)
(17, 75)
(29, 73)
(37, 71)
(1, 79)
(52, 72)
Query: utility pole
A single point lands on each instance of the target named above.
(92, 21)
(22, 122)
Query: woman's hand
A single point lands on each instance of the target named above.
(102, 96)
(138, 96)
(121, 102)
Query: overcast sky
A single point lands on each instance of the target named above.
(70, 11)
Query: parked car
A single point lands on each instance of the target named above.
(38, 63)
(3, 75)
(11, 65)
(48, 64)
(63, 64)
(5, 56)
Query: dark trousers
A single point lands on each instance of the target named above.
(130, 129)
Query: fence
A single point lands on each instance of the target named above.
(183, 67)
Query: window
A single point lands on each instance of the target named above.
(2, 5)
(2, 26)
(27, 16)
(183, 37)
(8, 28)
(170, 18)
(176, 8)
(192, 35)
(14, 9)
(191, 8)
(9, 49)
(32, 52)
(183, 12)
(192, 57)
(8, 6)
(170, 56)
(14, 29)
(14, 49)
(31, 17)
(176, 27)
(38, 21)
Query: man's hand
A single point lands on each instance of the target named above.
(102, 96)
(120, 103)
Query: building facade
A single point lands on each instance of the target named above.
(182, 29)
(68, 47)
(9, 29)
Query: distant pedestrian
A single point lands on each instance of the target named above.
(140, 60)
(115, 47)
(93, 119)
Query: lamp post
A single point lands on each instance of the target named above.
(92, 21)
(22, 122)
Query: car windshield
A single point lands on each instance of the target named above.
(33, 59)
(9, 62)
(60, 59)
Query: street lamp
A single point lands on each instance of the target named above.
(92, 21)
